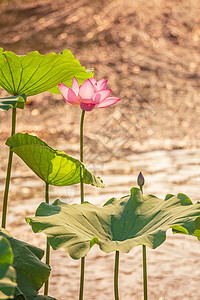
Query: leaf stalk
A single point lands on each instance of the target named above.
(116, 275)
(144, 248)
(46, 286)
(7, 185)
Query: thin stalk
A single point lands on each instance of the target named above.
(82, 278)
(6, 191)
(144, 254)
(81, 154)
(46, 286)
(82, 200)
(144, 248)
(116, 275)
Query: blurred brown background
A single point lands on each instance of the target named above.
(150, 53)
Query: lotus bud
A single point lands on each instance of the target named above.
(140, 180)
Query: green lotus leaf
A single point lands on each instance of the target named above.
(196, 228)
(41, 297)
(35, 73)
(15, 101)
(7, 272)
(37, 297)
(20, 296)
(119, 225)
(31, 272)
(52, 166)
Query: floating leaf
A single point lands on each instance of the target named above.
(31, 272)
(35, 73)
(52, 166)
(7, 272)
(119, 225)
(15, 101)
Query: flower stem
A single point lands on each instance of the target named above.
(116, 275)
(6, 191)
(82, 200)
(46, 286)
(81, 154)
(144, 253)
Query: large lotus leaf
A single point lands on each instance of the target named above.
(31, 272)
(15, 101)
(35, 73)
(119, 225)
(82, 76)
(52, 166)
(7, 272)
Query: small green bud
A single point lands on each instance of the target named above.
(140, 180)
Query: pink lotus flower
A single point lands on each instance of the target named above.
(88, 95)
